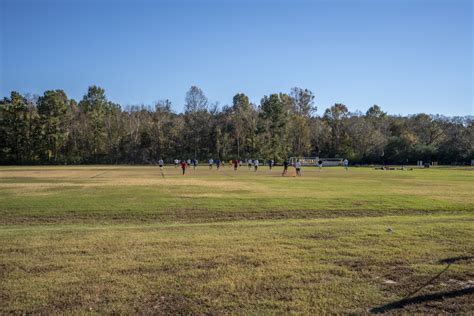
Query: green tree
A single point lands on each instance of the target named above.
(54, 129)
(300, 131)
(457, 145)
(14, 129)
(335, 117)
(52, 108)
(95, 106)
(274, 112)
(241, 123)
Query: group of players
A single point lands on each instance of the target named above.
(185, 164)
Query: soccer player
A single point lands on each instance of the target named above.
(161, 163)
(320, 164)
(183, 166)
(255, 165)
(346, 164)
(249, 161)
(211, 162)
(285, 167)
(195, 163)
(236, 164)
(176, 163)
(218, 163)
(298, 168)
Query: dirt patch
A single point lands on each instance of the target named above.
(148, 270)
(247, 261)
(44, 268)
(322, 236)
(194, 216)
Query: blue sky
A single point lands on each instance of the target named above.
(407, 56)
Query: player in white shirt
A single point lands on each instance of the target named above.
(161, 163)
(176, 163)
(255, 165)
(346, 164)
(211, 162)
(298, 168)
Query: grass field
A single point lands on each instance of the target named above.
(121, 239)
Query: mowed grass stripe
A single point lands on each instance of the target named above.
(140, 193)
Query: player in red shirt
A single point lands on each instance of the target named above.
(236, 164)
(183, 166)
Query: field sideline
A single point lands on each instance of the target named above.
(124, 239)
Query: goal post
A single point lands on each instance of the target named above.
(305, 161)
(313, 161)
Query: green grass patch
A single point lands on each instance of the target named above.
(124, 240)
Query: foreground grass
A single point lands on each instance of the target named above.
(307, 266)
(125, 240)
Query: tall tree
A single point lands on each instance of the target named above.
(197, 119)
(52, 108)
(95, 106)
(240, 116)
(274, 111)
(335, 117)
(14, 128)
(195, 100)
(300, 131)
(162, 130)
(303, 101)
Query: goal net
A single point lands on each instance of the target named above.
(313, 161)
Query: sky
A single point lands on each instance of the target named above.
(407, 56)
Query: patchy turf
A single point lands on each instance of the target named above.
(125, 240)
(78, 194)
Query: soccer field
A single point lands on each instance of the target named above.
(124, 239)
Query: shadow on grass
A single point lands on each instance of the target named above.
(407, 300)
(456, 259)
(421, 299)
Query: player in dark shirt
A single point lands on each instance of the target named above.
(236, 164)
(285, 167)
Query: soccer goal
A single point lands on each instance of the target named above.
(313, 161)
(305, 161)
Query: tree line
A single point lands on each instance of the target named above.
(54, 129)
